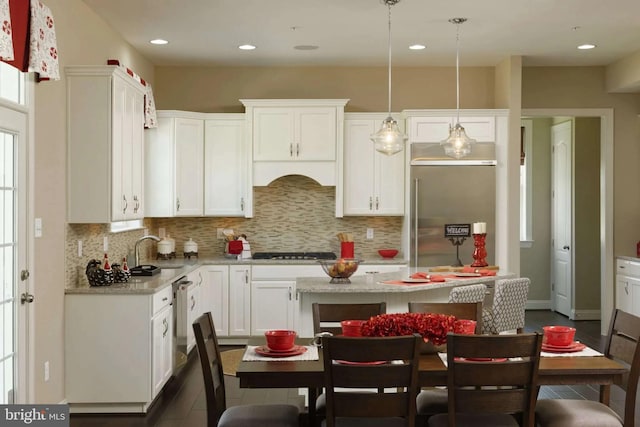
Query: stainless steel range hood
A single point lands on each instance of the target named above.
(432, 154)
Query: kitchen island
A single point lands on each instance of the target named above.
(370, 288)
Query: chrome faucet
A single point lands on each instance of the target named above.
(137, 251)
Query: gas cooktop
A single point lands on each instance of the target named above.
(294, 255)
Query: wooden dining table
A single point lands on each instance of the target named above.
(596, 370)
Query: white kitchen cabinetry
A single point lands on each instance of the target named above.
(226, 166)
(628, 285)
(118, 350)
(188, 309)
(214, 294)
(239, 300)
(436, 128)
(274, 304)
(373, 182)
(174, 173)
(105, 122)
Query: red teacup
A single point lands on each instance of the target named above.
(464, 326)
(352, 328)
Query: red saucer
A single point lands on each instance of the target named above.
(263, 350)
(483, 359)
(571, 348)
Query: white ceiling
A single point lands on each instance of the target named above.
(354, 32)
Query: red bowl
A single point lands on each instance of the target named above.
(464, 326)
(388, 253)
(280, 339)
(561, 336)
(352, 328)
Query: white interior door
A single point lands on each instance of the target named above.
(13, 256)
(561, 219)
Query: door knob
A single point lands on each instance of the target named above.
(26, 298)
(566, 248)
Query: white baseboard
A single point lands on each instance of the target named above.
(538, 305)
(586, 315)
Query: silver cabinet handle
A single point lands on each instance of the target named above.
(291, 150)
(246, 277)
(626, 288)
(166, 327)
(377, 203)
(193, 303)
(242, 203)
(370, 203)
(26, 298)
(124, 198)
(297, 150)
(566, 248)
(178, 204)
(289, 293)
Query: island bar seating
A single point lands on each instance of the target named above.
(370, 363)
(218, 415)
(623, 345)
(433, 401)
(507, 311)
(501, 392)
(468, 293)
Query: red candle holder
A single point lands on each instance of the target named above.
(480, 252)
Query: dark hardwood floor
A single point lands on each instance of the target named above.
(182, 403)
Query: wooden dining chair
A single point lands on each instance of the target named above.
(354, 369)
(491, 380)
(431, 401)
(327, 317)
(622, 345)
(218, 415)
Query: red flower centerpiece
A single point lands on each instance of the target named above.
(433, 327)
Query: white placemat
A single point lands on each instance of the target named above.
(250, 355)
(588, 352)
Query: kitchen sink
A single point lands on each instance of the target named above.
(145, 270)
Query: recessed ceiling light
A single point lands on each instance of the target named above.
(246, 47)
(417, 47)
(586, 46)
(305, 47)
(158, 41)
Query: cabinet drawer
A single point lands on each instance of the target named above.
(162, 299)
(628, 268)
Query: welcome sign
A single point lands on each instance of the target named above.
(457, 230)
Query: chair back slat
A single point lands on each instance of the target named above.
(462, 310)
(623, 345)
(495, 386)
(209, 352)
(356, 367)
(327, 317)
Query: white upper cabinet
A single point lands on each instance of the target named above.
(294, 134)
(373, 182)
(436, 128)
(226, 166)
(105, 145)
(174, 173)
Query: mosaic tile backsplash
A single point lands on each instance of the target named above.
(293, 213)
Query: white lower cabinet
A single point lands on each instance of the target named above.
(628, 286)
(118, 350)
(187, 310)
(214, 295)
(273, 307)
(240, 300)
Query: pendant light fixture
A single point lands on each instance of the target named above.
(458, 144)
(389, 140)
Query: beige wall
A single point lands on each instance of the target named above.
(83, 39)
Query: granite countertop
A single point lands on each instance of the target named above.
(628, 258)
(372, 283)
(175, 268)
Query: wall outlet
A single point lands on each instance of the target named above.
(46, 371)
(369, 233)
(219, 233)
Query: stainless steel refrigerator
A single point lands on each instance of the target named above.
(450, 191)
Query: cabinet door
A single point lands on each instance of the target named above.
(121, 159)
(429, 129)
(189, 146)
(389, 179)
(137, 156)
(358, 167)
(315, 134)
(623, 293)
(273, 306)
(273, 134)
(214, 293)
(225, 167)
(162, 353)
(240, 300)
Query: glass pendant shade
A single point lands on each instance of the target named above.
(458, 144)
(389, 140)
